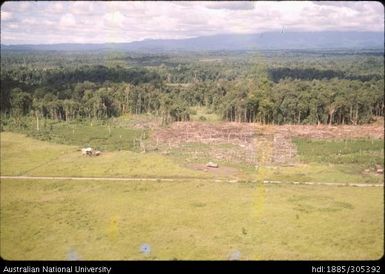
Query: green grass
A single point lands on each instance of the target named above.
(367, 152)
(21, 155)
(146, 120)
(314, 172)
(106, 136)
(25, 156)
(333, 161)
(198, 220)
(188, 219)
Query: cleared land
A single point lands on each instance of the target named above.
(344, 154)
(188, 220)
(26, 156)
(203, 214)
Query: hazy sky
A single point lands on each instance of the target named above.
(101, 22)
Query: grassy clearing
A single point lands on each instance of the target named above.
(25, 156)
(106, 136)
(339, 161)
(137, 121)
(21, 155)
(189, 220)
(114, 164)
(321, 173)
(364, 152)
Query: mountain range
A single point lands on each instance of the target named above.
(260, 41)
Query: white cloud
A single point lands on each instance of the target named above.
(13, 26)
(231, 5)
(6, 15)
(114, 19)
(118, 21)
(21, 6)
(24, 6)
(82, 7)
(57, 7)
(29, 21)
(67, 20)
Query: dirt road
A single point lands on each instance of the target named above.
(180, 179)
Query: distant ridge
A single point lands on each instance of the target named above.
(262, 41)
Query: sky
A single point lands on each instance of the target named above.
(49, 22)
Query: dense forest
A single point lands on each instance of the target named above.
(302, 87)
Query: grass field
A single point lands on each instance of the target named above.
(364, 152)
(25, 156)
(105, 136)
(189, 220)
(20, 154)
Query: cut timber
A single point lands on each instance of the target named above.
(379, 169)
(211, 164)
(87, 151)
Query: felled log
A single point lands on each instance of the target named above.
(211, 164)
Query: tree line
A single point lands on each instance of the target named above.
(277, 74)
(235, 89)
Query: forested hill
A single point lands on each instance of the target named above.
(268, 40)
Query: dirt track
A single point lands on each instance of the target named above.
(179, 179)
